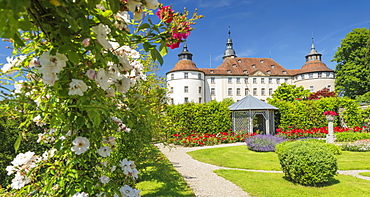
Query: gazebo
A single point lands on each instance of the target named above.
(250, 108)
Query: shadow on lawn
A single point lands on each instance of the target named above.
(332, 181)
(160, 178)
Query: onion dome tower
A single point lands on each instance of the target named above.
(185, 81)
(229, 52)
(315, 75)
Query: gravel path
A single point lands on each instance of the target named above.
(204, 182)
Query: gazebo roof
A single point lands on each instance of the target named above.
(250, 102)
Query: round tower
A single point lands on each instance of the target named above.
(314, 75)
(229, 52)
(185, 82)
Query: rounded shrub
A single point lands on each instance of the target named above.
(263, 143)
(307, 163)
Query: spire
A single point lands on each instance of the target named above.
(229, 52)
(313, 55)
(185, 54)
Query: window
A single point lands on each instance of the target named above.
(284, 72)
(239, 60)
(269, 72)
(245, 71)
(254, 80)
(262, 80)
(254, 66)
(228, 71)
(272, 66)
(172, 101)
(212, 71)
(212, 92)
(311, 88)
(270, 80)
(229, 80)
(171, 90)
(172, 76)
(186, 89)
(319, 75)
(238, 80)
(186, 100)
(186, 75)
(200, 100)
(262, 61)
(286, 80)
(246, 80)
(230, 92)
(246, 91)
(262, 91)
(200, 90)
(270, 91)
(254, 91)
(237, 91)
(212, 80)
(234, 65)
(311, 75)
(278, 80)
(302, 76)
(199, 76)
(327, 74)
(329, 87)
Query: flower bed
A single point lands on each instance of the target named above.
(206, 139)
(314, 132)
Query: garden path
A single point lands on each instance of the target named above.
(204, 182)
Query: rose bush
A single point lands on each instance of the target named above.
(84, 68)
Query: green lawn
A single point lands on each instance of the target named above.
(274, 185)
(161, 179)
(242, 157)
(365, 174)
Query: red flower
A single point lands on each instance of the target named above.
(332, 113)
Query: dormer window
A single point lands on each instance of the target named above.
(228, 71)
(234, 65)
(269, 72)
(284, 72)
(239, 60)
(212, 71)
(262, 61)
(272, 66)
(245, 71)
(254, 66)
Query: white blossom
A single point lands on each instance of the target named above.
(127, 166)
(124, 62)
(81, 144)
(80, 194)
(124, 16)
(12, 62)
(123, 85)
(104, 151)
(77, 87)
(18, 86)
(52, 63)
(10, 169)
(104, 179)
(127, 191)
(101, 32)
(23, 158)
(132, 5)
(38, 121)
(19, 181)
(151, 4)
(138, 15)
(111, 92)
(102, 78)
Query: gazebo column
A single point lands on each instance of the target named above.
(250, 122)
(267, 123)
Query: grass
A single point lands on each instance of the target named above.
(242, 157)
(274, 185)
(364, 174)
(159, 178)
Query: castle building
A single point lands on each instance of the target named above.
(238, 77)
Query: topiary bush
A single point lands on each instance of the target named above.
(351, 136)
(307, 163)
(263, 143)
(336, 150)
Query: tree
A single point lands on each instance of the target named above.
(353, 65)
(290, 93)
(84, 67)
(325, 92)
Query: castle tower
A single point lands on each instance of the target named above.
(185, 82)
(229, 52)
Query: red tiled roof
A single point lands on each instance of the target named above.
(185, 65)
(314, 66)
(238, 66)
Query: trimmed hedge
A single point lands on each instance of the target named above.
(212, 117)
(307, 162)
(351, 136)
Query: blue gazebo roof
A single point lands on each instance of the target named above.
(251, 102)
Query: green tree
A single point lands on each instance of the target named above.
(290, 93)
(353, 66)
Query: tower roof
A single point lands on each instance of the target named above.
(185, 62)
(229, 52)
(313, 62)
(313, 55)
(185, 54)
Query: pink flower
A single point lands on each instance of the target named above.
(332, 113)
(165, 13)
(91, 74)
(86, 42)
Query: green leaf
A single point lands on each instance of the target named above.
(97, 120)
(147, 46)
(156, 55)
(73, 57)
(18, 40)
(114, 5)
(163, 49)
(80, 122)
(18, 142)
(144, 26)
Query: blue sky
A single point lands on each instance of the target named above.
(260, 28)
